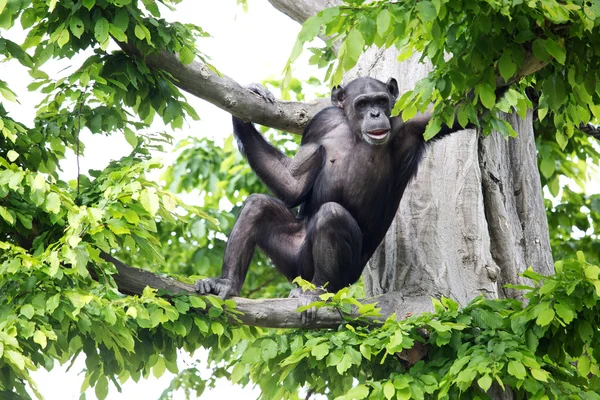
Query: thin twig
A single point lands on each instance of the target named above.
(77, 144)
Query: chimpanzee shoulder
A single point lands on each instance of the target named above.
(323, 122)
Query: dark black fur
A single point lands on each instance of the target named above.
(348, 178)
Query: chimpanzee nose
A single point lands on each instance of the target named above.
(375, 113)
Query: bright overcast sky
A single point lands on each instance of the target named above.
(249, 48)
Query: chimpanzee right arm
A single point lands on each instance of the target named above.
(289, 179)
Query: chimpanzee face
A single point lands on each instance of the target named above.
(367, 103)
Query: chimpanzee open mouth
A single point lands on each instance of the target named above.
(378, 134)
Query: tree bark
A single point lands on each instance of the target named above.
(265, 313)
(198, 79)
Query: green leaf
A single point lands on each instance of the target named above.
(118, 33)
(539, 50)
(118, 226)
(516, 369)
(320, 351)
(583, 365)
(76, 25)
(7, 216)
(130, 137)
(197, 302)
(426, 11)
(122, 19)
(2, 5)
(63, 38)
(590, 271)
(389, 390)
(89, 4)
(101, 388)
(561, 139)
(52, 203)
(139, 32)
(485, 382)
(545, 317)
(344, 364)
(310, 29)
(268, 349)
(28, 311)
(15, 359)
(547, 167)
(28, 18)
(12, 155)
(8, 95)
(506, 66)
(186, 55)
(217, 328)
(354, 48)
(358, 392)
(149, 200)
(565, 311)
(555, 50)
(586, 331)
(101, 30)
(238, 372)
(487, 95)
(159, 368)
(40, 338)
(540, 374)
(384, 19)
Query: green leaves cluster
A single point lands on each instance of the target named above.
(544, 350)
(58, 298)
(475, 47)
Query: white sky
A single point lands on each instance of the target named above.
(249, 48)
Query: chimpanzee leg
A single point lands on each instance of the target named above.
(265, 222)
(331, 252)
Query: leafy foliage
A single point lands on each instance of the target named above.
(58, 298)
(475, 47)
(542, 350)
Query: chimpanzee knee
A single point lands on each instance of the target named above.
(255, 206)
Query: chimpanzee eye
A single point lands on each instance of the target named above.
(361, 104)
(382, 102)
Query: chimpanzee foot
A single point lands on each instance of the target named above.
(261, 91)
(304, 299)
(222, 287)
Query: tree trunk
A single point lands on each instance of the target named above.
(471, 220)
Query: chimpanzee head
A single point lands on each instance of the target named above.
(367, 103)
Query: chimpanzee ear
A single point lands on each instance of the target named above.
(337, 96)
(392, 86)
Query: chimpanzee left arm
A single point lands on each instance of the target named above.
(289, 179)
(416, 126)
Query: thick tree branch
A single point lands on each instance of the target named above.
(267, 313)
(591, 130)
(196, 78)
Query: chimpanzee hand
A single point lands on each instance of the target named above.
(304, 299)
(222, 287)
(261, 91)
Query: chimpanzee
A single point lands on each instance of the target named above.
(348, 177)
